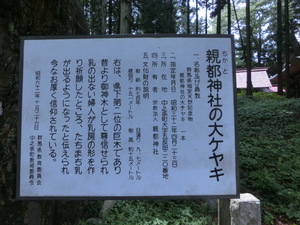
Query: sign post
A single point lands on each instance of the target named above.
(128, 117)
(224, 212)
(34, 213)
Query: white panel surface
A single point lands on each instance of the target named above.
(127, 117)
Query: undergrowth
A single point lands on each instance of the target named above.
(269, 146)
(160, 212)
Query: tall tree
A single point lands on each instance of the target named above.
(287, 47)
(217, 9)
(261, 44)
(125, 16)
(188, 19)
(258, 22)
(249, 80)
(279, 47)
(103, 16)
(110, 16)
(241, 39)
(197, 17)
(157, 17)
(22, 18)
(206, 15)
(92, 9)
(229, 16)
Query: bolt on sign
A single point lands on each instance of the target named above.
(127, 117)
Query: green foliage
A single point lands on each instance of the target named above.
(92, 208)
(160, 212)
(156, 16)
(269, 131)
(263, 20)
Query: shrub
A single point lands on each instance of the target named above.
(269, 144)
(161, 212)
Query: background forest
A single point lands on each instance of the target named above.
(272, 30)
(204, 17)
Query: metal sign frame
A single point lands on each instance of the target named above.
(30, 152)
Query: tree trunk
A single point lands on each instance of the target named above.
(218, 17)
(287, 48)
(125, 17)
(188, 16)
(239, 29)
(104, 16)
(110, 10)
(229, 17)
(197, 18)
(259, 49)
(23, 18)
(248, 46)
(279, 47)
(206, 16)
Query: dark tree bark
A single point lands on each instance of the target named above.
(218, 16)
(158, 16)
(197, 18)
(23, 18)
(110, 16)
(279, 47)
(248, 46)
(287, 47)
(239, 29)
(206, 16)
(188, 16)
(125, 17)
(104, 16)
(229, 16)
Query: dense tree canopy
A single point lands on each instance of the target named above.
(189, 16)
(156, 16)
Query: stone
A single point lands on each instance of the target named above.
(245, 210)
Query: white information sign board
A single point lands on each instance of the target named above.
(149, 116)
